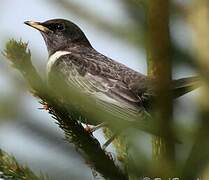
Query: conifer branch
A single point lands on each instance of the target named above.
(10, 169)
(95, 156)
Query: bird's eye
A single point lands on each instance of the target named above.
(56, 27)
(59, 27)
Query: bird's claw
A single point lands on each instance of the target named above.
(88, 129)
(95, 128)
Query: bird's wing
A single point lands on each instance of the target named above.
(113, 94)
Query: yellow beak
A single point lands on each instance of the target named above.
(38, 26)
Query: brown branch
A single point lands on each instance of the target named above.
(159, 68)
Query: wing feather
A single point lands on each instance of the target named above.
(113, 94)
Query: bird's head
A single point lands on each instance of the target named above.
(59, 34)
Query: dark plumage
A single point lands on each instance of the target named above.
(118, 87)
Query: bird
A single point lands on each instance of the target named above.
(122, 91)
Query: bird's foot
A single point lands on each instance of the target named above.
(93, 129)
(88, 129)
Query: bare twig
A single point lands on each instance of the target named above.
(159, 68)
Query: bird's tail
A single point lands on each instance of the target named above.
(185, 85)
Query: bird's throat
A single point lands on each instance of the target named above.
(54, 57)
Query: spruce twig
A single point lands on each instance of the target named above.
(10, 169)
(97, 158)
